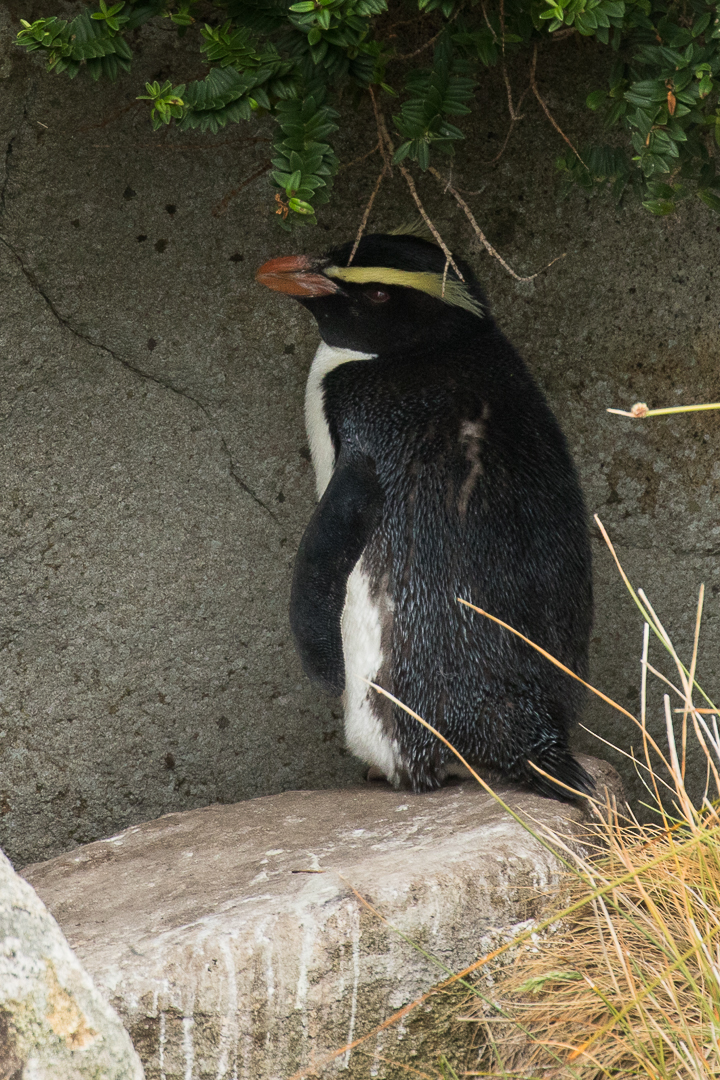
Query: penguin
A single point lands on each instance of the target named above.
(441, 473)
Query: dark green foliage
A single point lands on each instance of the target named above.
(304, 164)
(287, 59)
(92, 40)
(247, 78)
(443, 90)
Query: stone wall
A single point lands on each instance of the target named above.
(154, 474)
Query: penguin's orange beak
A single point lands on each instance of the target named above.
(293, 274)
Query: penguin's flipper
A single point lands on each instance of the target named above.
(332, 544)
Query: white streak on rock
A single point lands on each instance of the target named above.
(375, 1066)
(309, 929)
(229, 1033)
(355, 936)
(162, 1040)
(188, 1046)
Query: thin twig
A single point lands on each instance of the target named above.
(487, 21)
(366, 215)
(494, 161)
(390, 149)
(383, 136)
(222, 206)
(405, 22)
(385, 171)
(364, 157)
(423, 213)
(513, 113)
(445, 270)
(481, 235)
(513, 121)
(547, 112)
(409, 56)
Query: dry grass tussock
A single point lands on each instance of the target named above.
(621, 976)
(626, 981)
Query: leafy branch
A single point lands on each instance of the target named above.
(289, 62)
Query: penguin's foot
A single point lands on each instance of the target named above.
(456, 773)
(374, 775)
(456, 769)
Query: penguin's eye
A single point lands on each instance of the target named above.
(377, 296)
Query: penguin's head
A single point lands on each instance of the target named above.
(395, 291)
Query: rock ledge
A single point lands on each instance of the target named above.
(229, 938)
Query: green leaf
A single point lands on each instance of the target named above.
(701, 25)
(663, 191)
(294, 182)
(713, 201)
(618, 109)
(596, 99)
(660, 207)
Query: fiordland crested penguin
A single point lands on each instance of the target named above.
(441, 473)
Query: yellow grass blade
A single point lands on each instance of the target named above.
(639, 411)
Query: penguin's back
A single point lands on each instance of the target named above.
(481, 502)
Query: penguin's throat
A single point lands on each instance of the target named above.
(322, 450)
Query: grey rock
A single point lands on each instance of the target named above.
(154, 478)
(233, 942)
(54, 1025)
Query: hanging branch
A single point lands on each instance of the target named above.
(441, 243)
(547, 112)
(481, 235)
(513, 114)
(388, 151)
(385, 171)
(366, 215)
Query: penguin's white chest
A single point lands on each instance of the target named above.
(321, 447)
(363, 617)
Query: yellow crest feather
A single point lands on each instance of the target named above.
(418, 227)
(453, 292)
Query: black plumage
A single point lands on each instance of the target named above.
(451, 478)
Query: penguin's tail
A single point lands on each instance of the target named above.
(560, 765)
